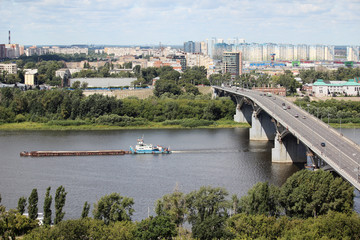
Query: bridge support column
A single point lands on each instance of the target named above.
(239, 115)
(288, 150)
(262, 128)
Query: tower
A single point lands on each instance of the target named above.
(9, 36)
(232, 63)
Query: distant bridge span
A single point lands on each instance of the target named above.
(295, 132)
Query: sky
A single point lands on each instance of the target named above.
(172, 22)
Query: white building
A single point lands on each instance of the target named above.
(323, 88)
(104, 82)
(30, 76)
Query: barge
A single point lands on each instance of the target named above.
(140, 148)
(72, 153)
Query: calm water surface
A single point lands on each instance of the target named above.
(202, 157)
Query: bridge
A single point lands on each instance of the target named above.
(298, 136)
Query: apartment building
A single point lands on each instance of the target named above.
(10, 68)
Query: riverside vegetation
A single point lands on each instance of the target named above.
(70, 108)
(60, 109)
(309, 205)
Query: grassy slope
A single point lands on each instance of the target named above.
(152, 125)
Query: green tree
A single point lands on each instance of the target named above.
(76, 85)
(47, 207)
(207, 210)
(32, 207)
(153, 228)
(60, 197)
(85, 211)
(245, 226)
(13, 224)
(261, 199)
(163, 86)
(21, 205)
(310, 194)
(172, 205)
(113, 207)
(84, 85)
(191, 89)
(137, 70)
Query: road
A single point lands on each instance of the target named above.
(342, 154)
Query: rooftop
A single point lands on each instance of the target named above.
(350, 82)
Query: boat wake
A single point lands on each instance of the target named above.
(194, 151)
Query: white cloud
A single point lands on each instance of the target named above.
(146, 21)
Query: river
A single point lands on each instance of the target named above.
(202, 157)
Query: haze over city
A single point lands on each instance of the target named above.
(140, 22)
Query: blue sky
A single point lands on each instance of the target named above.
(135, 22)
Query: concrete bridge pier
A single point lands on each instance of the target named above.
(262, 127)
(288, 150)
(239, 115)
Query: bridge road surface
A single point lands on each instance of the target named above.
(342, 154)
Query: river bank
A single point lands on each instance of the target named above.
(150, 125)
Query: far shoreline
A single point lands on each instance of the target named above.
(33, 126)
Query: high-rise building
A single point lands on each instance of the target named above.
(197, 47)
(189, 47)
(2, 51)
(352, 53)
(232, 63)
(302, 52)
(181, 59)
(329, 53)
(204, 48)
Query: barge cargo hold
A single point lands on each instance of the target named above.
(72, 153)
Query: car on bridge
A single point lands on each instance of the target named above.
(296, 115)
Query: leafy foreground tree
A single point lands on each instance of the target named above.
(330, 226)
(262, 198)
(174, 206)
(309, 194)
(13, 224)
(113, 207)
(208, 212)
(85, 228)
(85, 211)
(21, 205)
(60, 197)
(47, 207)
(32, 207)
(153, 228)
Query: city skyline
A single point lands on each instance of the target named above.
(140, 22)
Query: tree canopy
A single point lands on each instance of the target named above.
(113, 207)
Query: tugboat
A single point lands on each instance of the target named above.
(142, 148)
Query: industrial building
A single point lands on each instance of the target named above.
(104, 82)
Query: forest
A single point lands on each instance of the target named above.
(309, 205)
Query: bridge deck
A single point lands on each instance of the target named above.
(342, 154)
